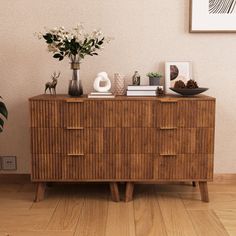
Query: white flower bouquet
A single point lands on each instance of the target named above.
(75, 43)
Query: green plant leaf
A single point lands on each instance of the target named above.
(3, 110)
(57, 55)
(1, 122)
(48, 38)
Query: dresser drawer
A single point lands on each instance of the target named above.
(73, 142)
(140, 140)
(173, 113)
(46, 114)
(185, 141)
(117, 114)
(183, 167)
(80, 167)
(46, 167)
(47, 140)
(196, 114)
(176, 141)
(167, 113)
(107, 167)
(120, 140)
(57, 141)
(74, 113)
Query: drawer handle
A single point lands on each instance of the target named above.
(168, 101)
(74, 101)
(168, 155)
(168, 128)
(75, 154)
(75, 128)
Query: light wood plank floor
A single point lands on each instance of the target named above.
(86, 210)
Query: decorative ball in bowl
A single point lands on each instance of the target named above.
(189, 89)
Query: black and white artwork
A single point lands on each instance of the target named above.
(176, 70)
(222, 6)
(213, 16)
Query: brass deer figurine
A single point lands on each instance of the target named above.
(52, 85)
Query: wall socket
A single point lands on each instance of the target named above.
(8, 163)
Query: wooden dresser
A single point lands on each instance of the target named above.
(126, 139)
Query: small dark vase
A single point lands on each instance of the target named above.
(154, 80)
(75, 85)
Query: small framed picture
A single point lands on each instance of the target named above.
(175, 71)
(212, 16)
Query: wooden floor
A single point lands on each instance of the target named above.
(86, 209)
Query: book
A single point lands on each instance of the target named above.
(100, 93)
(143, 87)
(141, 93)
(101, 96)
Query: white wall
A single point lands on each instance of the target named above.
(147, 33)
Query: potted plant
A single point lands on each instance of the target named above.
(154, 78)
(75, 44)
(3, 113)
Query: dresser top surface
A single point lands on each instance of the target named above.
(118, 98)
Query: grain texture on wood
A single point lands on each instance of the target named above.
(129, 139)
(67, 213)
(98, 216)
(93, 217)
(120, 219)
(147, 213)
(175, 218)
(207, 223)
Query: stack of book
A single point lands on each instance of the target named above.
(143, 90)
(101, 95)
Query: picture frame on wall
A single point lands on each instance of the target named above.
(212, 16)
(176, 70)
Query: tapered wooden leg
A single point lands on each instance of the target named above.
(204, 191)
(40, 190)
(129, 191)
(194, 184)
(115, 195)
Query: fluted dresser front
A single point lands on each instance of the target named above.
(126, 139)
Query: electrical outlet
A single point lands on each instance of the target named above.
(8, 163)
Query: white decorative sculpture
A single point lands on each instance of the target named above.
(102, 77)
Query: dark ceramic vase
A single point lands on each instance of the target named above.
(75, 85)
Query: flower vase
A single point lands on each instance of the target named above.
(75, 85)
(119, 88)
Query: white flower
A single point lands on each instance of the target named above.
(39, 35)
(96, 33)
(60, 36)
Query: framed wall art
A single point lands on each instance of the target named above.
(175, 71)
(212, 16)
